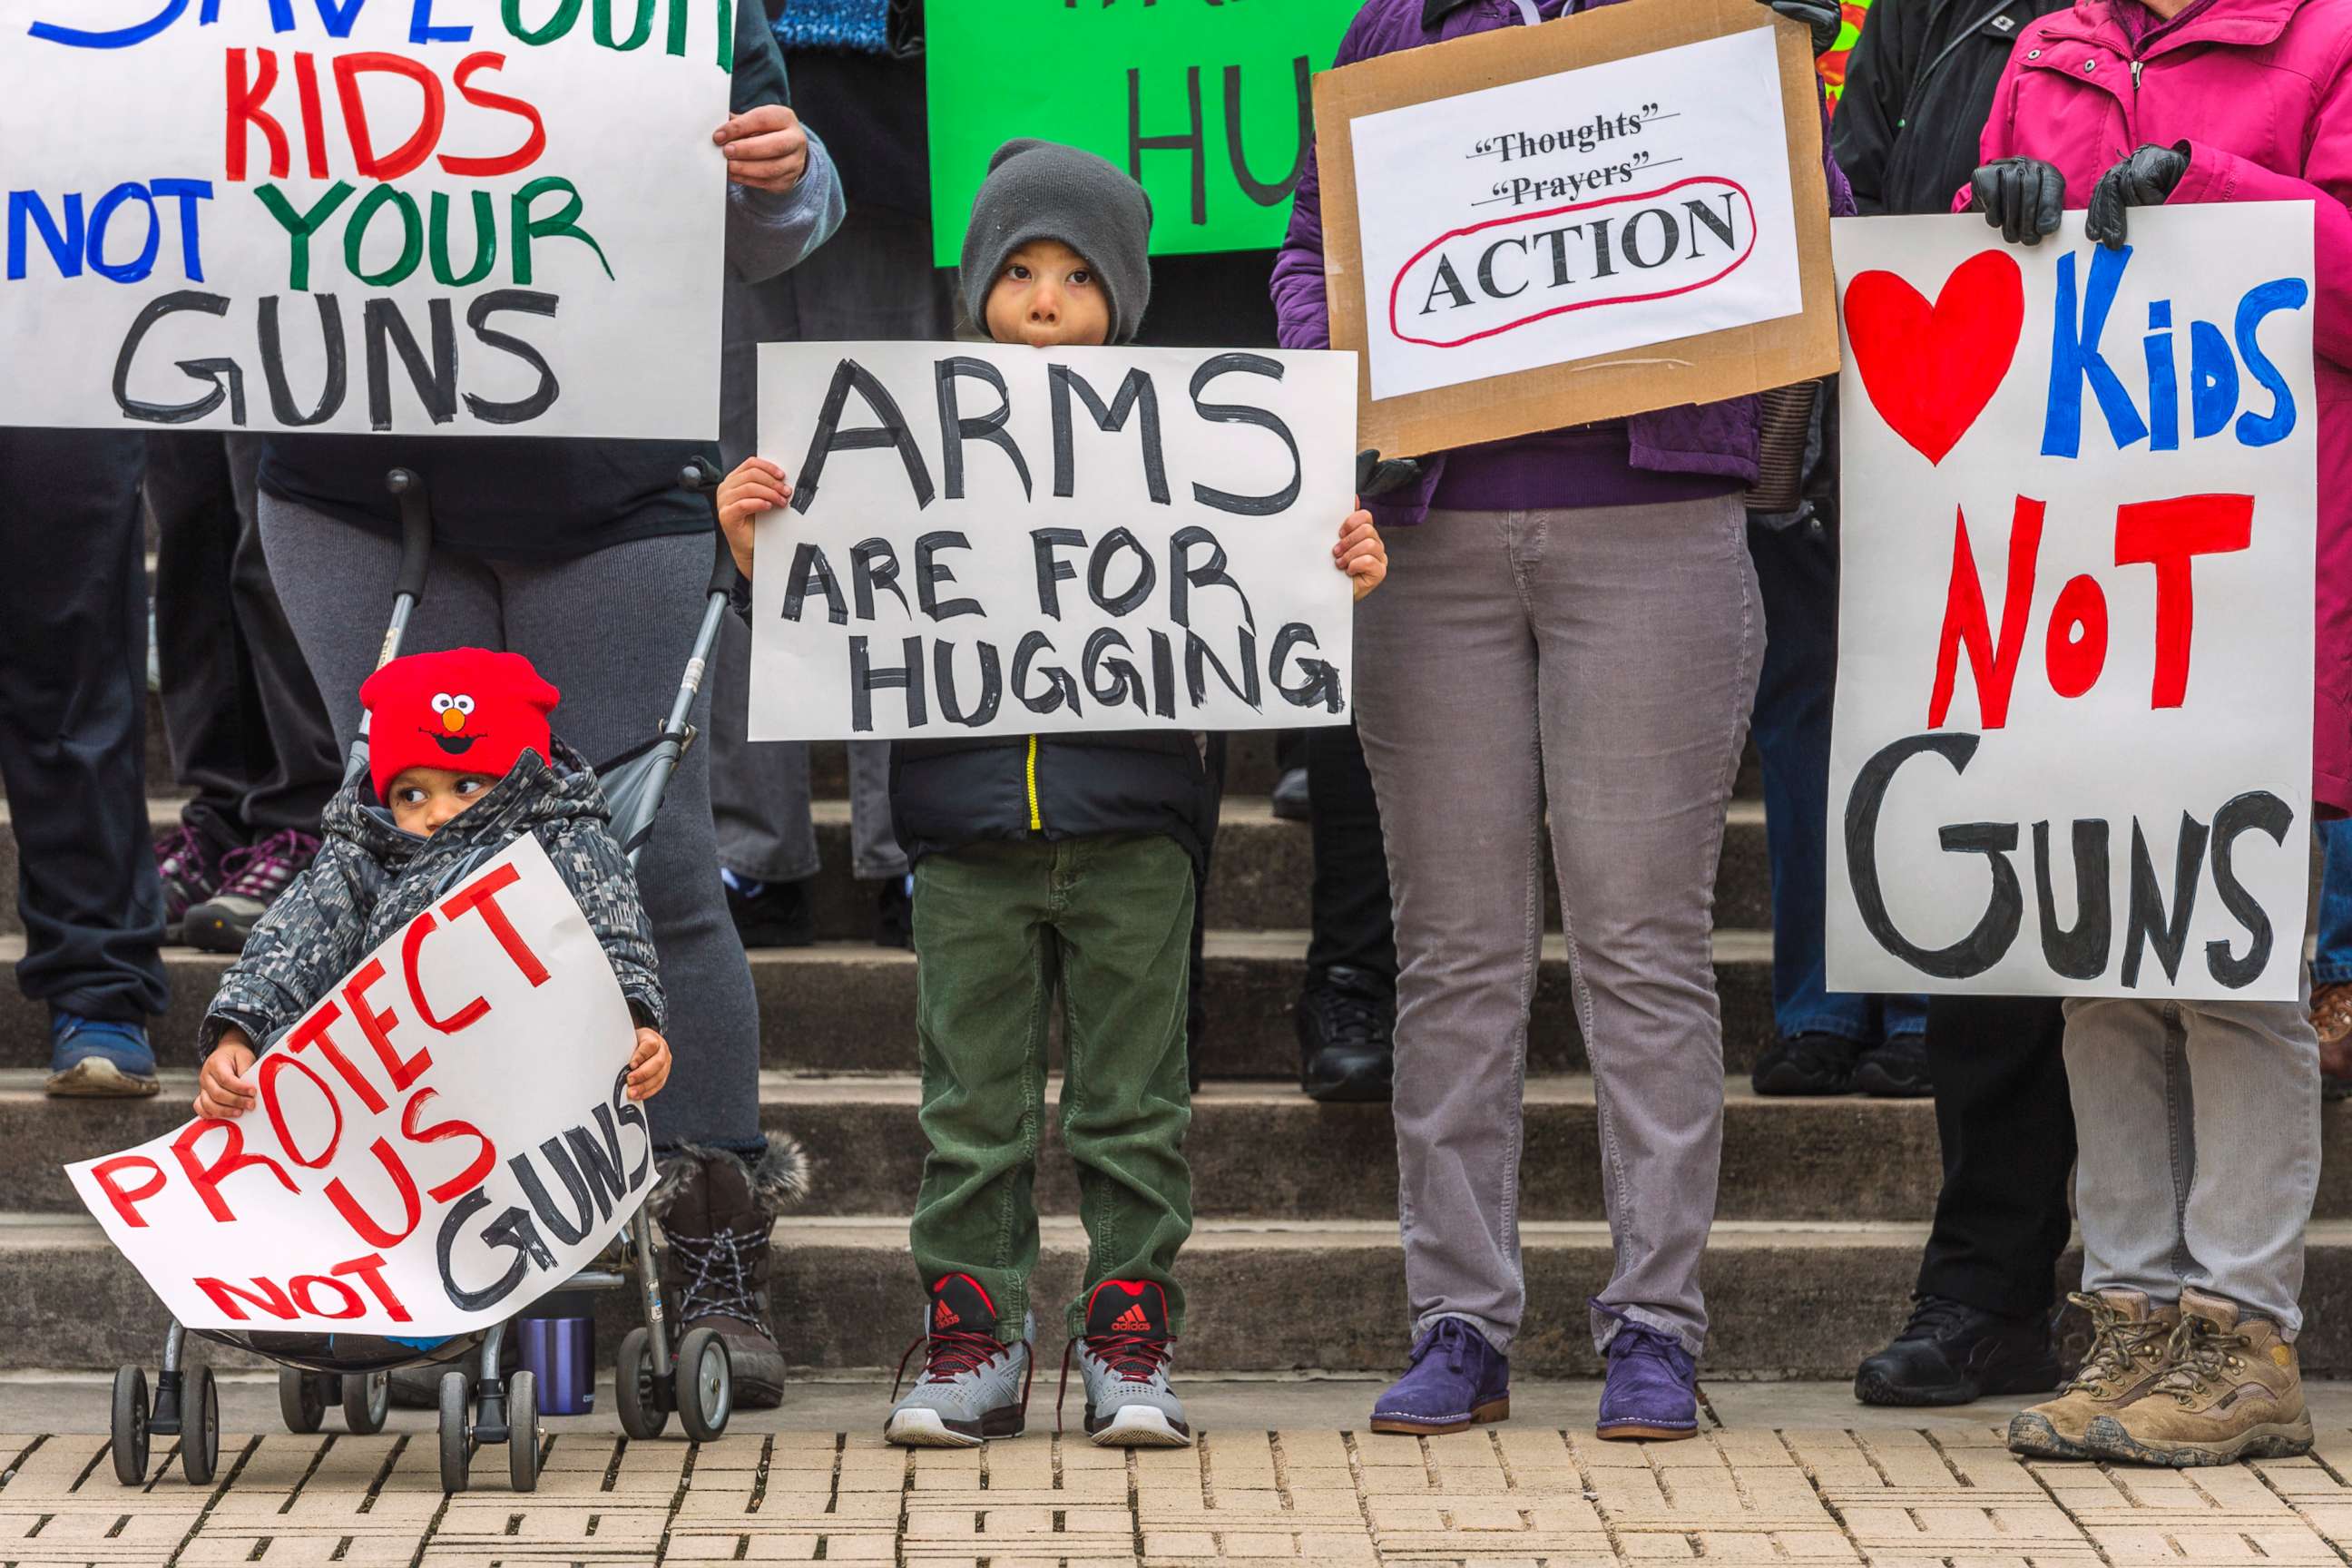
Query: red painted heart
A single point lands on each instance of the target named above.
(1930, 369)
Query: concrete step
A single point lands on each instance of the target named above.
(1260, 878)
(1785, 1298)
(846, 1008)
(1258, 1151)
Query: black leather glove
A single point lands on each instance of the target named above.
(1820, 16)
(2020, 196)
(1377, 476)
(2146, 179)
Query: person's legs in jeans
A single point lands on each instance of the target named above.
(73, 684)
(1445, 671)
(1123, 923)
(2331, 960)
(1347, 1009)
(1649, 635)
(1822, 1033)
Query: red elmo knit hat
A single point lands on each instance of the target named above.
(468, 709)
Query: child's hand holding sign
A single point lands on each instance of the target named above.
(754, 487)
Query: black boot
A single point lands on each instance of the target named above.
(716, 1212)
(1806, 1064)
(1347, 1026)
(1951, 1353)
(777, 914)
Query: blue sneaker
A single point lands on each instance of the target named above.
(1652, 1394)
(98, 1059)
(1456, 1381)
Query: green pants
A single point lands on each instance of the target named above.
(995, 925)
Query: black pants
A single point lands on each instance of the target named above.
(2008, 1132)
(73, 720)
(250, 738)
(1352, 926)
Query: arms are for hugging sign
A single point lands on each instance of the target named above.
(419, 217)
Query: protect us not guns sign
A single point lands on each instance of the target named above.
(1615, 211)
(990, 539)
(439, 1142)
(410, 217)
(2072, 734)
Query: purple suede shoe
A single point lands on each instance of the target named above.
(1456, 1381)
(1652, 1394)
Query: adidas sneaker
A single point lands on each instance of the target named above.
(972, 1385)
(1123, 1361)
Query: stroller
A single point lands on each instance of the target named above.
(315, 1370)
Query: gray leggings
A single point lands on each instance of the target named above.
(611, 630)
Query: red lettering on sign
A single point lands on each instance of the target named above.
(2169, 536)
(104, 1174)
(371, 1272)
(313, 1031)
(481, 896)
(464, 1017)
(206, 1178)
(410, 153)
(272, 1298)
(378, 1027)
(1995, 669)
(521, 157)
(246, 113)
(273, 1065)
(359, 1220)
(486, 1153)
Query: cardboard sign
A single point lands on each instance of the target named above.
(1542, 227)
(995, 540)
(440, 1142)
(421, 218)
(2073, 715)
(1209, 106)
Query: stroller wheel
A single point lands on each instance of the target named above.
(706, 1385)
(522, 1430)
(301, 1401)
(456, 1433)
(367, 1398)
(642, 1414)
(200, 1429)
(130, 1429)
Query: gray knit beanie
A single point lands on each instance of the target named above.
(1043, 190)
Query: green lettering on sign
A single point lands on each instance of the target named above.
(1206, 101)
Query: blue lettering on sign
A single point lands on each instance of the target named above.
(71, 239)
(338, 16)
(2079, 317)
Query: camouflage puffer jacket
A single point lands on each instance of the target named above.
(371, 879)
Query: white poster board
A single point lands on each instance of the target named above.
(438, 1143)
(2074, 711)
(415, 216)
(1584, 213)
(991, 539)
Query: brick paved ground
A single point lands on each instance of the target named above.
(1516, 1494)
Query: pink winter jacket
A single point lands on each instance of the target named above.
(2257, 92)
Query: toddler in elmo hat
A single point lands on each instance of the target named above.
(461, 762)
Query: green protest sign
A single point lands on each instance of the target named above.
(1206, 101)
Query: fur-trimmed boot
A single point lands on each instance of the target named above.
(715, 1210)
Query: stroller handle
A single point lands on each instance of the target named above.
(407, 486)
(702, 477)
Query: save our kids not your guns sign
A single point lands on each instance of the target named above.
(440, 1142)
(1539, 227)
(416, 216)
(988, 538)
(2073, 733)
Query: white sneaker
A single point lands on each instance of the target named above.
(1123, 1361)
(972, 1386)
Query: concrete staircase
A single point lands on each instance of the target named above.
(1295, 1261)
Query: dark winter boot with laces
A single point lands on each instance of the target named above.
(715, 1211)
(1347, 1045)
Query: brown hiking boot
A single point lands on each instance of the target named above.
(715, 1212)
(2129, 1334)
(2232, 1390)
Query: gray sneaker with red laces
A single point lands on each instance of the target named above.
(251, 880)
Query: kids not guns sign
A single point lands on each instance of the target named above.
(2073, 743)
(414, 217)
(440, 1142)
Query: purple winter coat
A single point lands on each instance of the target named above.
(1709, 439)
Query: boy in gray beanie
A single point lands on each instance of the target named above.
(1038, 856)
